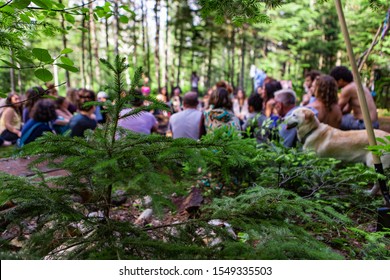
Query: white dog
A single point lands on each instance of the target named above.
(326, 141)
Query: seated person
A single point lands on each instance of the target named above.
(255, 119)
(143, 122)
(86, 118)
(349, 102)
(43, 114)
(325, 103)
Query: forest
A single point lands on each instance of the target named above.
(153, 197)
(171, 39)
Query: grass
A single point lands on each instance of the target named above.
(6, 152)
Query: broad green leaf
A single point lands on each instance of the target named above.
(59, 5)
(9, 64)
(25, 18)
(67, 60)
(100, 13)
(42, 54)
(43, 75)
(8, 9)
(124, 19)
(52, 14)
(21, 4)
(69, 18)
(45, 4)
(3, 95)
(84, 10)
(68, 67)
(107, 7)
(66, 51)
(126, 8)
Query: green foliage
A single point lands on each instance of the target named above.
(245, 11)
(275, 220)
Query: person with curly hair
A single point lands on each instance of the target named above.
(326, 102)
(43, 115)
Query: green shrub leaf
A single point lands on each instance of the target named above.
(21, 4)
(69, 18)
(42, 54)
(43, 74)
(68, 67)
(45, 4)
(67, 60)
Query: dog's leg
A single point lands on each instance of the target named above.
(375, 189)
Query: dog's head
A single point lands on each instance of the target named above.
(301, 117)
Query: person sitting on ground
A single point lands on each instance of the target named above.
(143, 122)
(325, 102)
(308, 86)
(219, 113)
(268, 97)
(101, 116)
(43, 114)
(240, 105)
(285, 104)
(61, 125)
(254, 122)
(11, 119)
(86, 119)
(72, 95)
(185, 124)
(349, 102)
(176, 100)
(32, 96)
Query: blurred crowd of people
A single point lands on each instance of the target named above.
(259, 115)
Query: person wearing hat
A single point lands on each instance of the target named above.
(100, 114)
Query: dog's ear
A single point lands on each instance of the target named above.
(309, 114)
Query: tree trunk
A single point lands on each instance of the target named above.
(147, 43)
(180, 54)
(157, 43)
(82, 66)
(167, 46)
(243, 53)
(95, 47)
(210, 60)
(233, 43)
(107, 39)
(134, 31)
(116, 28)
(12, 74)
(90, 53)
(143, 27)
(64, 45)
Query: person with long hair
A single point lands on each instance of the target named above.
(42, 116)
(32, 96)
(61, 124)
(269, 90)
(326, 102)
(220, 112)
(11, 119)
(176, 100)
(240, 105)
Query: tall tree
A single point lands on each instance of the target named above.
(167, 44)
(157, 8)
